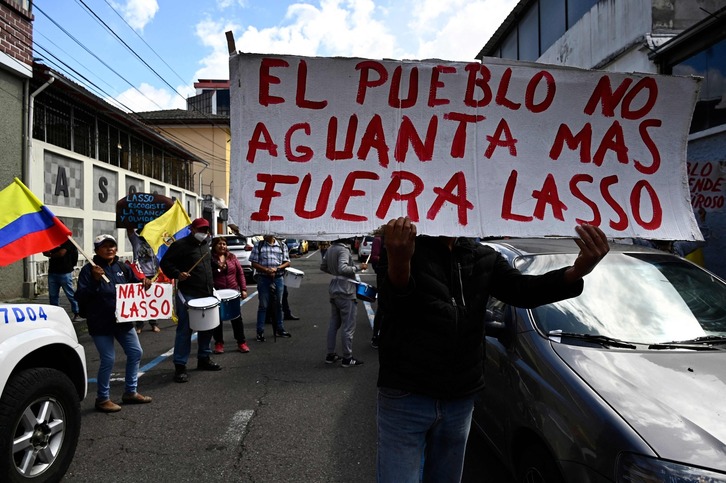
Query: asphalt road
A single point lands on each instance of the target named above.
(275, 414)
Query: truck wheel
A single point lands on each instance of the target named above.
(40, 422)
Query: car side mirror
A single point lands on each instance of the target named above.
(497, 324)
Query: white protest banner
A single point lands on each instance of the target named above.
(707, 182)
(330, 147)
(135, 303)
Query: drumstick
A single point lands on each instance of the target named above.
(369, 257)
(197, 262)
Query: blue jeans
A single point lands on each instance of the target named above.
(56, 281)
(183, 340)
(421, 438)
(264, 292)
(132, 348)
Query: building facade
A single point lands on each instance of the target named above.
(204, 129)
(16, 60)
(84, 156)
(679, 37)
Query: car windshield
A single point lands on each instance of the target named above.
(235, 240)
(636, 297)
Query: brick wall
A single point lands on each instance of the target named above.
(16, 31)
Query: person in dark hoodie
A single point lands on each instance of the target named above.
(98, 297)
(188, 260)
(430, 349)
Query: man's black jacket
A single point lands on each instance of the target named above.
(180, 257)
(431, 339)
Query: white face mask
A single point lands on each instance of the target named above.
(200, 237)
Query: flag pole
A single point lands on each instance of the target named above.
(90, 259)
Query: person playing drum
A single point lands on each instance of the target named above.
(338, 262)
(228, 274)
(187, 260)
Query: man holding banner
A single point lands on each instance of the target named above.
(430, 353)
(477, 149)
(188, 260)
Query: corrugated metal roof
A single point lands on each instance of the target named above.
(175, 116)
(42, 73)
(504, 28)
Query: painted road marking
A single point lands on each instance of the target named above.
(158, 360)
(237, 426)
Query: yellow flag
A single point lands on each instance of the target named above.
(171, 226)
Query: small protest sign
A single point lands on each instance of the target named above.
(707, 181)
(137, 209)
(330, 147)
(135, 303)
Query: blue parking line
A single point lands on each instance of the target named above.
(158, 360)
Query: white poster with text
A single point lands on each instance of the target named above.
(135, 303)
(331, 147)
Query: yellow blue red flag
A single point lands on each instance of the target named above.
(163, 231)
(26, 225)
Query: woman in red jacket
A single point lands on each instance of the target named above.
(228, 274)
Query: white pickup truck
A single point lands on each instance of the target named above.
(42, 382)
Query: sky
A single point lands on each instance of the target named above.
(145, 55)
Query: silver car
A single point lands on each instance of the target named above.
(365, 248)
(625, 383)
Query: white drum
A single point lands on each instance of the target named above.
(293, 277)
(203, 313)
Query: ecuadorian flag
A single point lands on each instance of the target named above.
(26, 225)
(170, 226)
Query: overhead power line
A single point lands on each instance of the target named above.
(169, 134)
(130, 49)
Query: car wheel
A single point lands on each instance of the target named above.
(40, 422)
(536, 465)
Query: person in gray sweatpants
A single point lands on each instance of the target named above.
(338, 262)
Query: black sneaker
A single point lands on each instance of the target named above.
(180, 373)
(260, 337)
(208, 365)
(332, 358)
(283, 333)
(352, 361)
